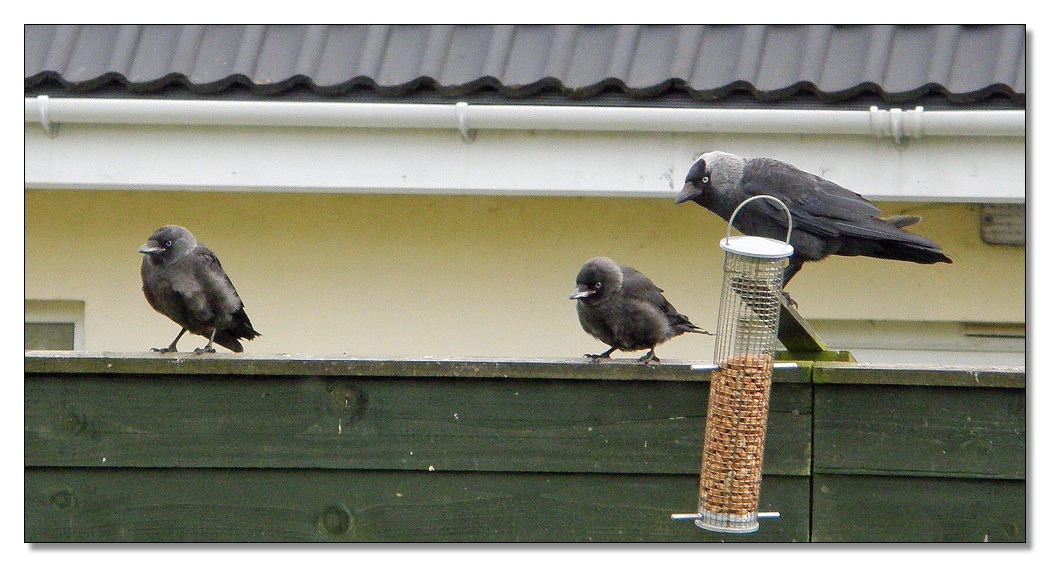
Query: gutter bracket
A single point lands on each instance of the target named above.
(915, 125)
(900, 124)
(895, 124)
(45, 120)
(461, 117)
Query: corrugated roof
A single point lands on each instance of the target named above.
(854, 65)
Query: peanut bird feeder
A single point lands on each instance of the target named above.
(738, 403)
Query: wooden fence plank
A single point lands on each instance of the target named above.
(257, 505)
(961, 432)
(856, 508)
(389, 423)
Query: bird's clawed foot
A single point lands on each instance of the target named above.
(788, 301)
(649, 357)
(207, 348)
(598, 357)
(171, 347)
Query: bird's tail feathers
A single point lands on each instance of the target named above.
(241, 329)
(915, 252)
(901, 221)
(909, 247)
(229, 341)
(684, 325)
(885, 239)
(242, 326)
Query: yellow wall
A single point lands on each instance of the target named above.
(406, 275)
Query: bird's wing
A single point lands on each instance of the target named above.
(207, 289)
(818, 206)
(223, 296)
(192, 296)
(638, 287)
(215, 278)
(646, 298)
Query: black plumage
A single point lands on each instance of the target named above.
(184, 280)
(828, 218)
(624, 309)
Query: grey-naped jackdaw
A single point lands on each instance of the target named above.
(183, 280)
(624, 309)
(828, 218)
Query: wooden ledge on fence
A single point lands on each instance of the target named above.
(621, 368)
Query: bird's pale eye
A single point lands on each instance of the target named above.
(167, 244)
(705, 179)
(598, 285)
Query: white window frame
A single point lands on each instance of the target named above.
(58, 311)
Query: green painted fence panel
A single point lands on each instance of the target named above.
(476, 424)
(965, 432)
(145, 447)
(866, 508)
(261, 505)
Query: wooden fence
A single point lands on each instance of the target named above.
(236, 448)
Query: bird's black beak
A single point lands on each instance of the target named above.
(149, 249)
(689, 192)
(581, 293)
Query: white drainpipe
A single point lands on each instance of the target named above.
(896, 123)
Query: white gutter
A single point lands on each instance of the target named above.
(896, 123)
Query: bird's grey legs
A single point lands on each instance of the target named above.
(207, 348)
(649, 357)
(595, 357)
(792, 268)
(171, 347)
(789, 272)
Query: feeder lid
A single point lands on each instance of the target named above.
(756, 246)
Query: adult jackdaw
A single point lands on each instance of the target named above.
(828, 219)
(624, 309)
(184, 281)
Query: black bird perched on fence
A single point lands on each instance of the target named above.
(828, 218)
(184, 281)
(624, 309)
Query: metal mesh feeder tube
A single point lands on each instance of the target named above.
(738, 403)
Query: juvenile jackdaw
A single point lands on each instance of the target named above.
(624, 309)
(184, 281)
(828, 219)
